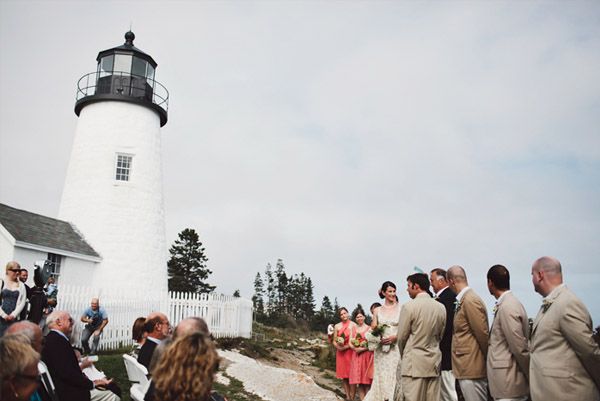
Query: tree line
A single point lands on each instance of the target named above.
(285, 300)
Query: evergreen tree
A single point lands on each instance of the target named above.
(187, 267)
(327, 309)
(280, 286)
(236, 294)
(258, 297)
(308, 300)
(270, 290)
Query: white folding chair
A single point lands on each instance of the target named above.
(47, 381)
(138, 376)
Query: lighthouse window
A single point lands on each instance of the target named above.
(123, 168)
(106, 65)
(139, 67)
(123, 63)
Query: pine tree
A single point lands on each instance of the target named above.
(270, 290)
(236, 294)
(187, 267)
(258, 297)
(308, 300)
(280, 286)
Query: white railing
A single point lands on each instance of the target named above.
(225, 315)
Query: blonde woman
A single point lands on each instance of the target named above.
(186, 371)
(13, 296)
(18, 369)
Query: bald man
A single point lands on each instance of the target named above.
(95, 319)
(470, 337)
(158, 328)
(31, 330)
(565, 359)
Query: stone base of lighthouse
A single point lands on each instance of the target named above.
(122, 219)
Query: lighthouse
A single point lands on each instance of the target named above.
(113, 187)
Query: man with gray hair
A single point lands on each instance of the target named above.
(565, 359)
(71, 383)
(469, 338)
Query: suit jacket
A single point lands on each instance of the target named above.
(145, 355)
(565, 360)
(470, 338)
(420, 331)
(70, 382)
(447, 298)
(508, 351)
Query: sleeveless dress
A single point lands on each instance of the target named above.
(361, 363)
(386, 363)
(9, 303)
(343, 358)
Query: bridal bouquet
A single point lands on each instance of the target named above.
(374, 338)
(341, 339)
(359, 341)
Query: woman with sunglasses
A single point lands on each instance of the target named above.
(13, 296)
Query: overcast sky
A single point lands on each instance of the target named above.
(354, 140)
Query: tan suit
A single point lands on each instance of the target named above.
(420, 331)
(508, 351)
(565, 360)
(470, 338)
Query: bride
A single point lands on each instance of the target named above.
(387, 354)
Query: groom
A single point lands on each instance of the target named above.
(420, 331)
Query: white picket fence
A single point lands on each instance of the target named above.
(226, 316)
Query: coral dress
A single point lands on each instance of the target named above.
(361, 365)
(343, 358)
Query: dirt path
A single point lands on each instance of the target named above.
(290, 378)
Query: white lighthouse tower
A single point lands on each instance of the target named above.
(113, 189)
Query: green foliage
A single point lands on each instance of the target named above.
(236, 293)
(187, 267)
(288, 300)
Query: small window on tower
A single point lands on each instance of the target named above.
(123, 168)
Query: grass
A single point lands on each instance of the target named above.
(111, 363)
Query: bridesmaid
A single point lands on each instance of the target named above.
(343, 355)
(362, 358)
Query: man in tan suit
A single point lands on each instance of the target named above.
(470, 337)
(508, 351)
(565, 360)
(420, 331)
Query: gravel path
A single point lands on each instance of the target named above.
(274, 384)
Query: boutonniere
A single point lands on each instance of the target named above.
(456, 306)
(495, 309)
(546, 304)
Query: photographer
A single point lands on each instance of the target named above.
(96, 319)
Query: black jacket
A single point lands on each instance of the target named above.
(447, 298)
(70, 382)
(145, 355)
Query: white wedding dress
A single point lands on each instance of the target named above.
(386, 363)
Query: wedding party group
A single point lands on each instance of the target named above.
(440, 342)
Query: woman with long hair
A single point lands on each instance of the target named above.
(362, 358)
(186, 371)
(13, 296)
(343, 355)
(387, 354)
(18, 369)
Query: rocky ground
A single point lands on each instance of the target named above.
(278, 366)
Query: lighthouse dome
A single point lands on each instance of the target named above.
(124, 73)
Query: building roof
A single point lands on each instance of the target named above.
(35, 229)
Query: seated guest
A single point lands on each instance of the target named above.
(187, 370)
(158, 328)
(18, 369)
(138, 335)
(31, 334)
(88, 369)
(59, 356)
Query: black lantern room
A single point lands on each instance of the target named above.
(124, 73)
